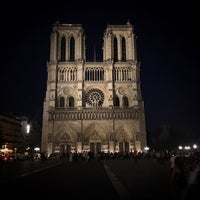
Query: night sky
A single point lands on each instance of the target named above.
(168, 48)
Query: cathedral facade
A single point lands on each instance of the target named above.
(93, 106)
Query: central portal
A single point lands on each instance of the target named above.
(95, 147)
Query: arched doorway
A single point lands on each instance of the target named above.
(95, 147)
(68, 148)
(124, 147)
(62, 148)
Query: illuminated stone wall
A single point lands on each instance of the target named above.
(93, 106)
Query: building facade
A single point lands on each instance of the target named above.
(18, 132)
(11, 135)
(93, 106)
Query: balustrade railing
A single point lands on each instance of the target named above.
(93, 114)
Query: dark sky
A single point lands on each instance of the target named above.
(167, 44)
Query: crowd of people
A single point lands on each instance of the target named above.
(185, 177)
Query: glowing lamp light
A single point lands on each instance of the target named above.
(180, 147)
(146, 148)
(187, 147)
(37, 149)
(28, 127)
(194, 146)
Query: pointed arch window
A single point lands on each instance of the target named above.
(116, 101)
(72, 49)
(123, 49)
(63, 49)
(125, 101)
(115, 50)
(71, 102)
(62, 102)
(94, 74)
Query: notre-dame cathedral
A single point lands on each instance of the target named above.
(93, 106)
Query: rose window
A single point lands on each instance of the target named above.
(95, 97)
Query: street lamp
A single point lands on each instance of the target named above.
(146, 149)
(28, 127)
(180, 147)
(195, 146)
